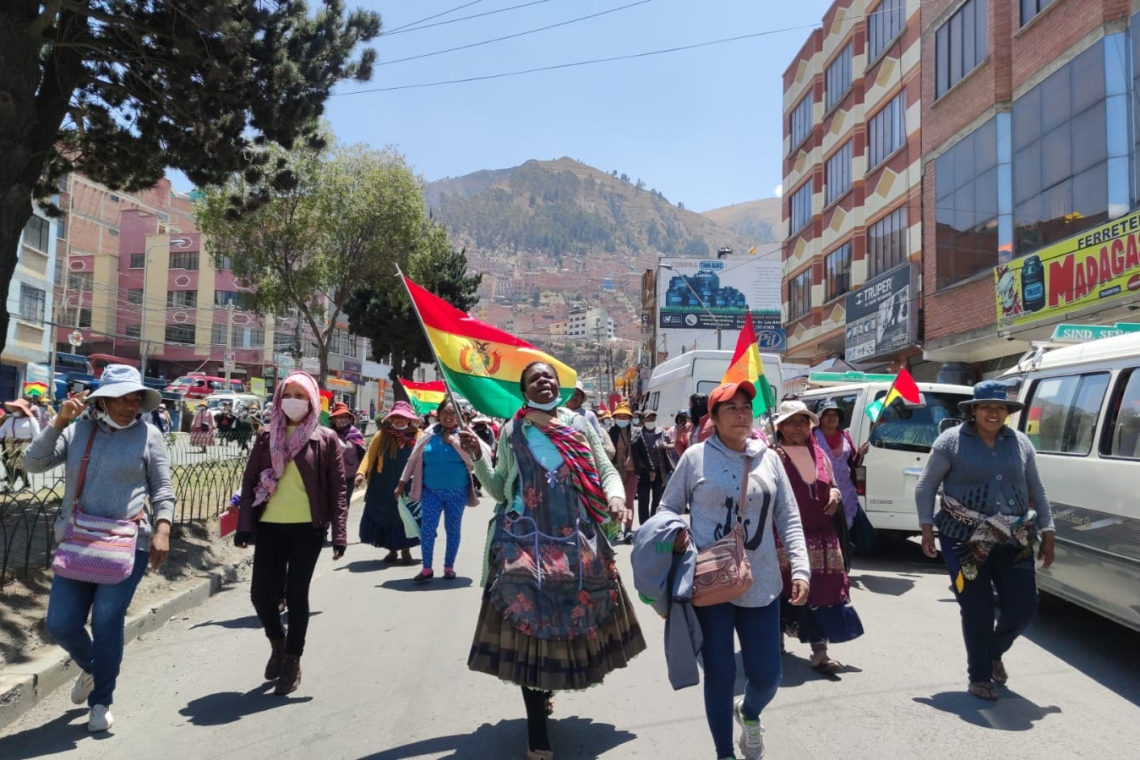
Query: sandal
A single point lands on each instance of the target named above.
(984, 690)
(1000, 674)
(406, 559)
(828, 667)
(389, 558)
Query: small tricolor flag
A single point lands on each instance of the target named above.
(481, 363)
(425, 397)
(35, 390)
(747, 365)
(903, 387)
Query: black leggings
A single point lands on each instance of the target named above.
(285, 555)
(536, 736)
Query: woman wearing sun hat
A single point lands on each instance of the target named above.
(993, 508)
(202, 427)
(129, 467)
(17, 432)
(351, 444)
(381, 525)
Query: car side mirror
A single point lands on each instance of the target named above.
(948, 424)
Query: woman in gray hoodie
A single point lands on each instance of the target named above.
(708, 482)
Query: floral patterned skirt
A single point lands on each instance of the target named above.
(501, 649)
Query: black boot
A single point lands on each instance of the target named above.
(273, 667)
(290, 677)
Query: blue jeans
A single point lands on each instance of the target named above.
(759, 632)
(1015, 581)
(99, 653)
(448, 503)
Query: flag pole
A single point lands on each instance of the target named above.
(431, 346)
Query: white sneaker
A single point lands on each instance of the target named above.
(100, 719)
(752, 736)
(82, 688)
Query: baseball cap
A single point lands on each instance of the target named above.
(726, 391)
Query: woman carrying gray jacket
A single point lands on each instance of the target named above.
(708, 482)
(128, 467)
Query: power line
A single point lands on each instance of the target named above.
(404, 30)
(430, 18)
(515, 35)
(575, 64)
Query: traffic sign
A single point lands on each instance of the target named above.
(1093, 332)
(75, 339)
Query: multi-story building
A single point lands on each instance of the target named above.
(30, 303)
(852, 186)
(594, 323)
(1030, 175)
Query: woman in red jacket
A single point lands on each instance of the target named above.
(293, 489)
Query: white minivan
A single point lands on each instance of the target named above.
(900, 441)
(1082, 413)
(674, 380)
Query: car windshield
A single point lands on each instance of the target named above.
(903, 428)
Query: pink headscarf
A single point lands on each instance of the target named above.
(282, 446)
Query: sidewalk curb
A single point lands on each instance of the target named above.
(23, 685)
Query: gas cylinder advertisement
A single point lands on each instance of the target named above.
(1100, 265)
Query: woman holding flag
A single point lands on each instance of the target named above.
(555, 614)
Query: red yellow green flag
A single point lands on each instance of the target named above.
(425, 396)
(747, 365)
(480, 362)
(904, 387)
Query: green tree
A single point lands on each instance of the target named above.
(123, 89)
(345, 219)
(382, 311)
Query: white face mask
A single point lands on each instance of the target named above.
(111, 423)
(294, 408)
(401, 426)
(651, 425)
(544, 407)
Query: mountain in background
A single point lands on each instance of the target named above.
(758, 220)
(565, 208)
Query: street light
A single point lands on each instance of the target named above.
(700, 300)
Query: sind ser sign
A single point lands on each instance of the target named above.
(1101, 265)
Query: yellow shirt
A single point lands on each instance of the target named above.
(290, 502)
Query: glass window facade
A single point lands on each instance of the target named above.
(32, 302)
(961, 44)
(838, 77)
(36, 233)
(886, 22)
(887, 243)
(182, 299)
(839, 174)
(838, 268)
(801, 208)
(887, 130)
(966, 206)
(799, 295)
(800, 126)
(180, 334)
(184, 260)
(1030, 9)
(1060, 154)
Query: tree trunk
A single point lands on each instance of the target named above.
(398, 392)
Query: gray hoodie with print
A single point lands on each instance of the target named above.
(707, 481)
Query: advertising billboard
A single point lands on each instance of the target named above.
(1098, 266)
(881, 317)
(696, 296)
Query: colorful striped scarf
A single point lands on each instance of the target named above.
(579, 458)
(283, 445)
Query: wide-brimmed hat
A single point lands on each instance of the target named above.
(622, 408)
(19, 405)
(579, 387)
(789, 409)
(340, 408)
(403, 410)
(482, 418)
(990, 392)
(725, 392)
(120, 380)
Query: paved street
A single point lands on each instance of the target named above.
(385, 678)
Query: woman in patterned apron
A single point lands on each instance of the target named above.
(555, 614)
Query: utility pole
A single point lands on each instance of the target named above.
(229, 340)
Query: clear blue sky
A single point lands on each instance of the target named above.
(702, 126)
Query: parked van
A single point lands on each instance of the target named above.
(1082, 413)
(198, 385)
(673, 381)
(900, 441)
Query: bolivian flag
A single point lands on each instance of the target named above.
(903, 387)
(480, 362)
(425, 396)
(747, 365)
(35, 390)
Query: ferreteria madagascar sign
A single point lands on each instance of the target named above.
(1098, 266)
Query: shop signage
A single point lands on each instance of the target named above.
(881, 318)
(352, 371)
(1101, 265)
